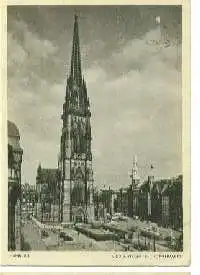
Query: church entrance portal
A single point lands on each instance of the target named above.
(79, 215)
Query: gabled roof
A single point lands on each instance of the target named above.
(47, 175)
(13, 136)
(13, 131)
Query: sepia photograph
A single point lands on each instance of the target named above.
(95, 148)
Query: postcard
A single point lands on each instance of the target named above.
(95, 136)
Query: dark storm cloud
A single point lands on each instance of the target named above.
(134, 86)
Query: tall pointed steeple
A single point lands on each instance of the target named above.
(134, 173)
(75, 73)
(76, 99)
(76, 154)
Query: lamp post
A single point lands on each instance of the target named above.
(154, 243)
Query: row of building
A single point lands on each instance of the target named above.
(162, 204)
(159, 201)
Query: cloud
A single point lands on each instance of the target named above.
(33, 101)
(139, 112)
(32, 43)
(28, 54)
(16, 56)
(135, 96)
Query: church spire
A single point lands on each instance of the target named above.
(76, 57)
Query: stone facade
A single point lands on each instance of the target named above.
(14, 187)
(48, 191)
(75, 162)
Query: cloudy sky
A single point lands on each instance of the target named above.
(132, 67)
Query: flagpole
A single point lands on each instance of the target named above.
(150, 183)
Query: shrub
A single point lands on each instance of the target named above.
(62, 234)
(150, 234)
(167, 239)
(96, 225)
(140, 246)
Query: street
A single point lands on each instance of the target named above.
(32, 236)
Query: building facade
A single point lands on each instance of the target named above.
(75, 161)
(29, 200)
(104, 204)
(165, 200)
(159, 201)
(15, 153)
(121, 202)
(47, 208)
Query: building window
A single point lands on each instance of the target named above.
(10, 172)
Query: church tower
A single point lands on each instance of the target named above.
(135, 179)
(75, 160)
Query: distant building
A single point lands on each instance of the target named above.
(29, 199)
(103, 201)
(166, 202)
(162, 203)
(133, 190)
(121, 201)
(48, 195)
(15, 153)
(126, 199)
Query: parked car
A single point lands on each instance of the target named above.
(65, 237)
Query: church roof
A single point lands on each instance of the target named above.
(13, 131)
(13, 136)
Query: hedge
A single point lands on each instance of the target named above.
(95, 233)
(150, 234)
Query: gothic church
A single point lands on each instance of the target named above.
(75, 161)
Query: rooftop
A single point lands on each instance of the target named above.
(13, 131)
